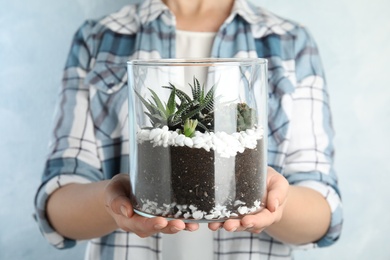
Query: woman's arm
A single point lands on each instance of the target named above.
(84, 211)
(76, 211)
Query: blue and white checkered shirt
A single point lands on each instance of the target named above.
(90, 139)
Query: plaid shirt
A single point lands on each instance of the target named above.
(90, 139)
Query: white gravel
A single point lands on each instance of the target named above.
(192, 212)
(226, 145)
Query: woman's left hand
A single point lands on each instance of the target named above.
(277, 190)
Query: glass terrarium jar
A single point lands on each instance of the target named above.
(198, 137)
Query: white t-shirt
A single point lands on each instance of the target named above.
(199, 244)
(194, 44)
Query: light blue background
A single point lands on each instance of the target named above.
(354, 41)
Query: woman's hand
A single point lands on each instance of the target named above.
(118, 205)
(277, 190)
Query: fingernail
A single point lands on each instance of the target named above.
(276, 204)
(233, 229)
(158, 227)
(124, 211)
(249, 226)
(174, 229)
(189, 229)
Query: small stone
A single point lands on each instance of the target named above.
(188, 142)
(209, 216)
(193, 208)
(155, 133)
(243, 210)
(239, 202)
(217, 213)
(197, 214)
(178, 214)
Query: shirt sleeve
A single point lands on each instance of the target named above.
(73, 154)
(309, 159)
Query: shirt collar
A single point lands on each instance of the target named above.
(150, 10)
(246, 10)
(263, 22)
(127, 20)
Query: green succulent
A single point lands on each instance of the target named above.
(199, 107)
(160, 114)
(194, 113)
(189, 127)
(246, 117)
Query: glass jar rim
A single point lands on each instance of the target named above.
(198, 61)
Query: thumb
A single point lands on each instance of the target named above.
(117, 195)
(277, 187)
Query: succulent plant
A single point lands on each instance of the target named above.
(192, 114)
(246, 117)
(199, 107)
(159, 113)
(189, 127)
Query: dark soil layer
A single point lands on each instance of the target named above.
(250, 180)
(193, 177)
(190, 176)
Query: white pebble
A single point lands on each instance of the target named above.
(165, 137)
(197, 214)
(188, 142)
(179, 140)
(242, 210)
(217, 213)
(178, 214)
(209, 216)
(239, 202)
(155, 132)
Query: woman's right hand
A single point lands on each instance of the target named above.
(118, 204)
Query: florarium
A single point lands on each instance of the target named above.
(198, 137)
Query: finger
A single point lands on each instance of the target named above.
(233, 225)
(142, 226)
(173, 227)
(256, 223)
(147, 226)
(121, 205)
(117, 195)
(277, 187)
(118, 186)
(214, 226)
(191, 226)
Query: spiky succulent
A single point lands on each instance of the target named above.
(194, 113)
(189, 115)
(199, 107)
